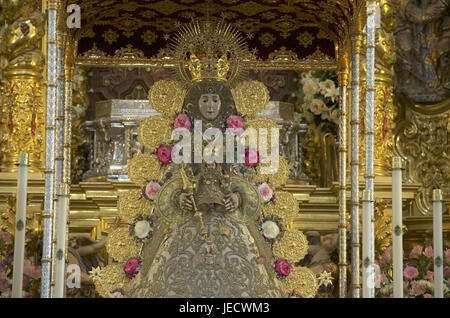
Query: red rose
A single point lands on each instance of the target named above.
(182, 121)
(131, 267)
(282, 267)
(251, 157)
(165, 154)
(235, 123)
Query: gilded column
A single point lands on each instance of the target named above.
(356, 49)
(49, 150)
(369, 128)
(343, 82)
(22, 105)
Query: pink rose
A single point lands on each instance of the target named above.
(416, 251)
(131, 267)
(235, 123)
(446, 272)
(182, 121)
(410, 272)
(384, 279)
(151, 190)
(6, 237)
(251, 157)
(428, 252)
(282, 267)
(416, 288)
(427, 296)
(429, 276)
(165, 154)
(266, 192)
(387, 255)
(31, 270)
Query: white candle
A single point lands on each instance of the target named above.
(60, 248)
(19, 237)
(368, 273)
(437, 244)
(397, 238)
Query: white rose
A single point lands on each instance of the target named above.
(326, 86)
(141, 229)
(332, 93)
(317, 106)
(270, 230)
(310, 88)
(335, 116)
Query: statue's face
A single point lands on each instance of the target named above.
(209, 105)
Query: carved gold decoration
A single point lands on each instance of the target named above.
(153, 131)
(267, 39)
(305, 39)
(250, 98)
(279, 177)
(143, 168)
(149, 37)
(131, 204)
(283, 55)
(109, 279)
(301, 281)
(293, 247)
(167, 97)
(120, 245)
(286, 206)
(110, 36)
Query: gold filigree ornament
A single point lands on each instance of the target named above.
(110, 278)
(131, 204)
(250, 97)
(285, 206)
(153, 131)
(300, 281)
(120, 245)
(143, 168)
(275, 175)
(293, 247)
(167, 97)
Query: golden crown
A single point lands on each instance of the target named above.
(209, 50)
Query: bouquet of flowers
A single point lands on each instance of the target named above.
(31, 273)
(318, 98)
(418, 275)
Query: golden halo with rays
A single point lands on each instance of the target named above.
(293, 247)
(167, 97)
(301, 281)
(120, 245)
(153, 131)
(109, 278)
(131, 204)
(285, 205)
(250, 97)
(279, 176)
(143, 168)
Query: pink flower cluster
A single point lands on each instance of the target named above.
(131, 267)
(182, 121)
(151, 189)
(164, 154)
(282, 268)
(235, 123)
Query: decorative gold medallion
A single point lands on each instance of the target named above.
(166, 97)
(120, 245)
(153, 131)
(286, 206)
(250, 97)
(293, 247)
(143, 168)
(110, 278)
(276, 176)
(301, 281)
(131, 204)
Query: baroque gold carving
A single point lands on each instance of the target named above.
(301, 281)
(286, 206)
(143, 168)
(131, 204)
(108, 279)
(120, 245)
(153, 131)
(250, 97)
(293, 247)
(166, 97)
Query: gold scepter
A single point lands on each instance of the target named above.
(189, 188)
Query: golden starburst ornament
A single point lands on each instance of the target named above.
(250, 97)
(325, 279)
(167, 97)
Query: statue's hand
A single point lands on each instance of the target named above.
(184, 202)
(232, 201)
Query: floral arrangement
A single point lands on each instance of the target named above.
(31, 273)
(271, 228)
(266, 191)
(418, 275)
(282, 268)
(318, 98)
(150, 191)
(132, 266)
(142, 229)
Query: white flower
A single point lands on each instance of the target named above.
(310, 87)
(266, 192)
(141, 229)
(309, 117)
(317, 106)
(270, 230)
(335, 116)
(326, 86)
(332, 93)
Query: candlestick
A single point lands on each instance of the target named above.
(397, 238)
(19, 237)
(60, 247)
(437, 244)
(368, 274)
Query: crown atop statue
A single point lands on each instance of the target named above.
(207, 49)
